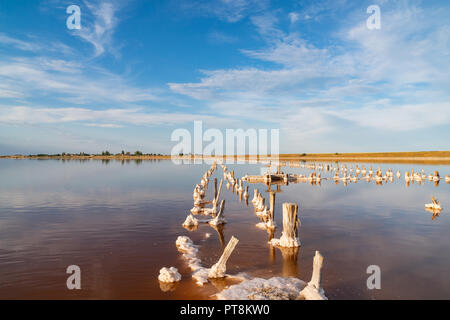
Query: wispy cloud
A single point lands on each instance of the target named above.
(69, 80)
(101, 118)
(294, 17)
(22, 45)
(394, 79)
(220, 37)
(227, 10)
(100, 31)
(104, 125)
(34, 45)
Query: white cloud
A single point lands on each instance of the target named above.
(34, 45)
(392, 81)
(102, 118)
(220, 37)
(22, 45)
(99, 32)
(294, 17)
(397, 118)
(71, 81)
(384, 79)
(228, 10)
(104, 125)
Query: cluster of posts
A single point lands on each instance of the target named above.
(212, 212)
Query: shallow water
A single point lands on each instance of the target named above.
(119, 221)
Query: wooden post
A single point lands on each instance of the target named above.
(317, 271)
(290, 220)
(216, 199)
(272, 207)
(215, 188)
(218, 270)
(290, 227)
(261, 203)
(222, 207)
(255, 195)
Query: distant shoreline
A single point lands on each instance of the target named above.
(435, 157)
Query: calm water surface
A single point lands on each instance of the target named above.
(119, 221)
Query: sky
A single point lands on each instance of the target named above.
(138, 70)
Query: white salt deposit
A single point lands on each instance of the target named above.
(261, 225)
(312, 293)
(190, 221)
(286, 242)
(200, 273)
(266, 225)
(276, 288)
(169, 275)
(217, 221)
(433, 206)
(189, 250)
(201, 276)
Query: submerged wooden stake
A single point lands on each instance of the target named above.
(218, 270)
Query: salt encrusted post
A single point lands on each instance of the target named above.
(218, 270)
(271, 216)
(222, 206)
(317, 270)
(215, 188)
(290, 222)
(216, 199)
(218, 219)
(313, 291)
(260, 205)
(255, 195)
(290, 227)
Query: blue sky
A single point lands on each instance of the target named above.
(137, 70)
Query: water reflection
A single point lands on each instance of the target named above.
(167, 287)
(115, 217)
(290, 263)
(435, 212)
(219, 229)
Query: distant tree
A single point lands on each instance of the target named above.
(123, 152)
(106, 153)
(138, 153)
(180, 154)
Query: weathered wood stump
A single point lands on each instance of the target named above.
(289, 236)
(218, 270)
